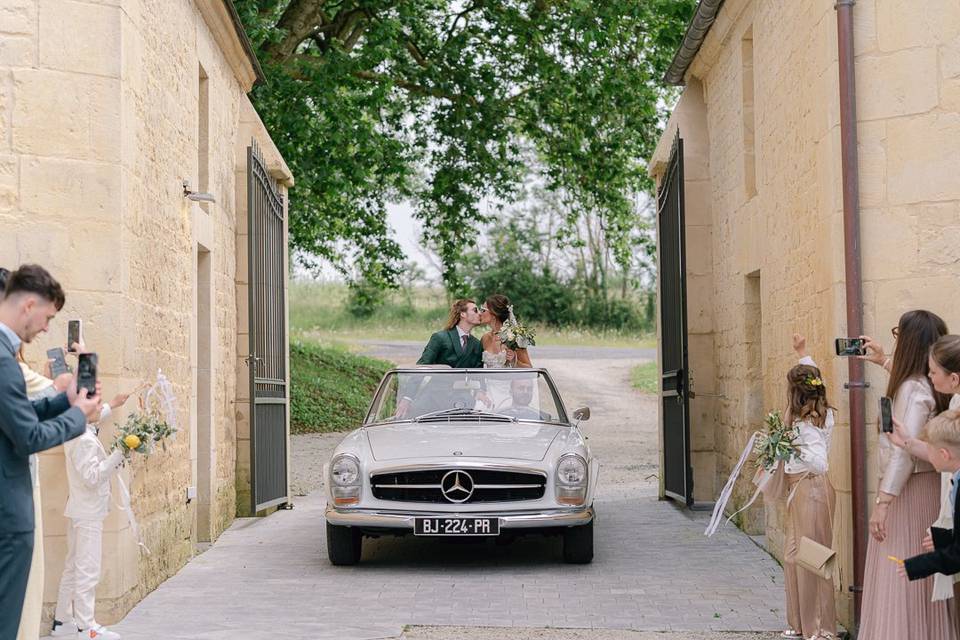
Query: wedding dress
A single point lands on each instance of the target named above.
(498, 390)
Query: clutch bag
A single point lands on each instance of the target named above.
(816, 558)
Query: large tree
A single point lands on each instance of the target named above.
(438, 101)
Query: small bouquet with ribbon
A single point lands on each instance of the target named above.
(773, 447)
(154, 423)
(514, 335)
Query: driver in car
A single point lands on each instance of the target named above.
(521, 394)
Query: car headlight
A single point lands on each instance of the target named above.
(345, 480)
(571, 485)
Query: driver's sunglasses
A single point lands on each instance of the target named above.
(895, 331)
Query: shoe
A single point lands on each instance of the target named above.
(98, 632)
(64, 629)
(790, 634)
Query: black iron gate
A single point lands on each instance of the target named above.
(677, 471)
(268, 335)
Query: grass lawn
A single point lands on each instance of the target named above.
(643, 377)
(330, 387)
(318, 312)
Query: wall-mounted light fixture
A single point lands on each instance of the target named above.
(196, 196)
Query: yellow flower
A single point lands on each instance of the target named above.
(132, 441)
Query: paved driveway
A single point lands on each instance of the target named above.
(653, 570)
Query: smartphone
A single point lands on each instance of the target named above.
(58, 362)
(74, 334)
(850, 347)
(886, 415)
(87, 373)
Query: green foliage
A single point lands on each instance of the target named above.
(436, 101)
(644, 377)
(330, 388)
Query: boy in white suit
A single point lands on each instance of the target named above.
(89, 472)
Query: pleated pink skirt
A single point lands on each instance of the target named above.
(893, 607)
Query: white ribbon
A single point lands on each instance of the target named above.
(717, 518)
(126, 508)
(760, 480)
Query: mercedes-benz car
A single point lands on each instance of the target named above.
(463, 453)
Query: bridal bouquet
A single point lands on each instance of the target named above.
(777, 443)
(514, 335)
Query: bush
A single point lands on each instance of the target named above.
(330, 388)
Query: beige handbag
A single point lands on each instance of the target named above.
(816, 558)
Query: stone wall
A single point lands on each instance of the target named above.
(102, 118)
(778, 259)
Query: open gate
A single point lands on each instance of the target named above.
(267, 361)
(677, 470)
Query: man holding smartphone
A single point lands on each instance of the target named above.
(30, 300)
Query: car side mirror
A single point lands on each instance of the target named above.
(582, 414)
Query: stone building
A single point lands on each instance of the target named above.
(106, 109)
(759, 118)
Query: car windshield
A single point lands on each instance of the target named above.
(438, 394)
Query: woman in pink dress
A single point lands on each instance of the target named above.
(908, 496)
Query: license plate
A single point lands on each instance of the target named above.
(456, 526)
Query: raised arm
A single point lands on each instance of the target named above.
(94, 473)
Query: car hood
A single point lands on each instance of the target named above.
(519, 441)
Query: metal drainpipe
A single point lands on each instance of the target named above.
(851, 243)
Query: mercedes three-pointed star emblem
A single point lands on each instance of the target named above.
(457, 486)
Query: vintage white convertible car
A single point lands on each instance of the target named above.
(463, 452)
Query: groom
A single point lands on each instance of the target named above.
(455, 346)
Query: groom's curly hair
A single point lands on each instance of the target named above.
(458, 307)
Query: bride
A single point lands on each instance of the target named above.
(495, 311)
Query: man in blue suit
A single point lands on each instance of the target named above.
(30, 300)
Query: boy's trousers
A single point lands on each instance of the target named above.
(81, 573)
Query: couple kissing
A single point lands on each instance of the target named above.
(456, 347)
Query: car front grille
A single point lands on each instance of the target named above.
(488, 485)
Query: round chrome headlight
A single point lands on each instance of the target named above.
(572, 470)
(345, 471)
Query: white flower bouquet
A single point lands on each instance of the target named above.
(514, 335)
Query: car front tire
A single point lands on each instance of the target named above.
(344, 545)
(578, 544)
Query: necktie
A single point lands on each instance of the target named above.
(463, 342)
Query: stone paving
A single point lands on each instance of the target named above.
(653, 570)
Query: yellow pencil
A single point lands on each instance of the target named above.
(895, 559)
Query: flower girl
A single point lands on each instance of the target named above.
(811, 609)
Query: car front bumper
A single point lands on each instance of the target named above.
(403, 520)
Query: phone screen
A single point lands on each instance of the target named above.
(73, 334)
(849, 347)
(58, 362)
(886, 415)
(87, 373)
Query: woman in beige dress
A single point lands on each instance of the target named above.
(908, 497)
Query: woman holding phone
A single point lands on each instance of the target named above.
(908, 495)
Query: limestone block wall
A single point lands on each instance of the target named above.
(768, 77)
(105, 109)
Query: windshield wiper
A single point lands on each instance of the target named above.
(464, 412)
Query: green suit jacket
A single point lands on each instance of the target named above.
(445, 348)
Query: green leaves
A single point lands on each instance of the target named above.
(434, 101)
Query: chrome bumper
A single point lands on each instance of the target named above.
(404, 520)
